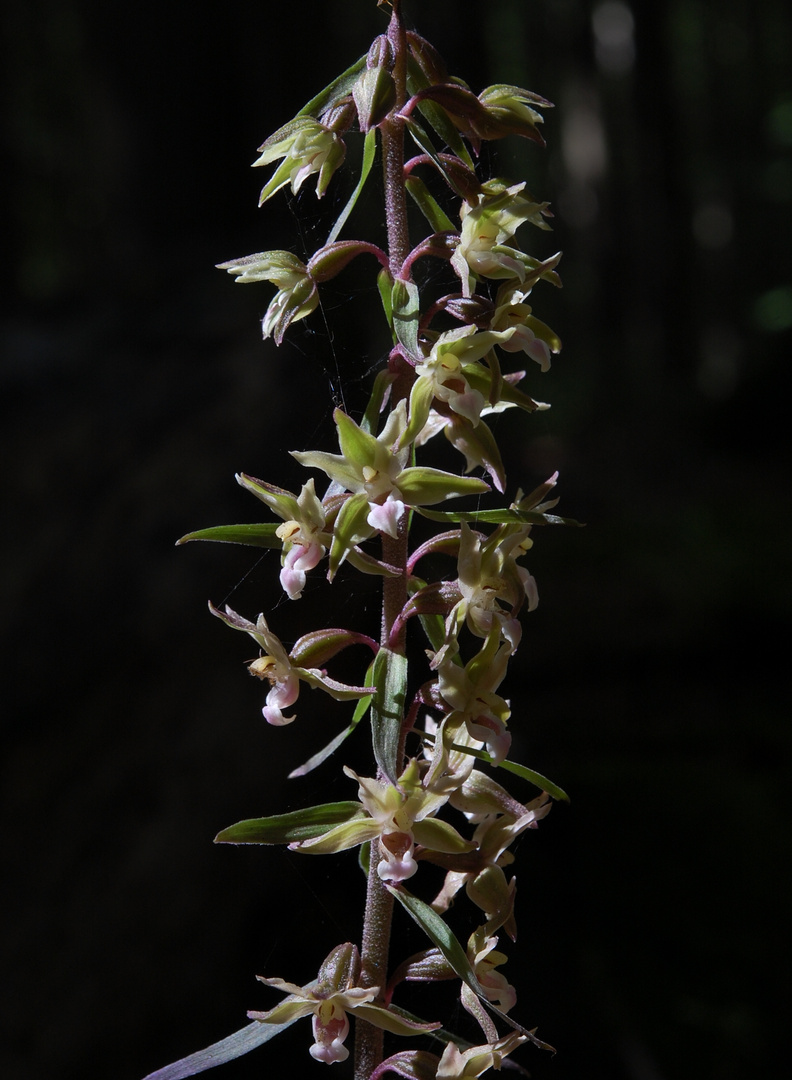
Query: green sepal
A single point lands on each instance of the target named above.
(543, 331)
(356, 444)
(367, 564)
(428, 205)
(421, 398)
(499, 390)
(479, 448)
(278, 499)
(406, 309)
(507, 516)
(292, 827)
(370, 421)
(387, 710)
(421, 485)
(278, 179)
(259, 535)
(350, 527)
(364, 858)
(393, 1022)
(333, 464)
(438, 835)
(369, 150)
(320, 680)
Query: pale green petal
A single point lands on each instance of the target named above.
(340, 838)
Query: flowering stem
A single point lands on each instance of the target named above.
(379, 902)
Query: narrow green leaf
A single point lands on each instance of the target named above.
(234, 1046)
(361, 708)
(338, 88)
(387, 710)
(440, 934)
(261, 535)
(423, 142)
(534, 778)
(291, 827)
(369, 149)
(506, 516)
(428, 205)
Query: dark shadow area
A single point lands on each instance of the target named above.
(651, 683)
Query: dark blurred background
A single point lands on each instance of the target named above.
(652, 681)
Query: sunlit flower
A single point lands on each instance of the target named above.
(280, 670)
(488, 577)
(470, 691)
(328, 1000)
(400, 817)
(530, 336)
(456, 1064)
(306, 147)
(485, 959)
(487, 225)
(297, 295)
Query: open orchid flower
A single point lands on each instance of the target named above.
(487, 225)
(400, 817)
(470, 691)
(281, 671)
(329, 999)
(489, 577)
(530, 336)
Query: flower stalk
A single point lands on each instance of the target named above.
(438, 719)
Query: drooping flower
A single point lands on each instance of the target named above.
(488, 577)
(445, 376)
(456, 1064)
(283, 671)
(485, 959)
(487, 225)
(302, 531)
(470, 691)
(530, 336)
(307, 147)
(501, 819)
(297, 295)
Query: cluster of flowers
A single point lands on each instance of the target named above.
(458, 718)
